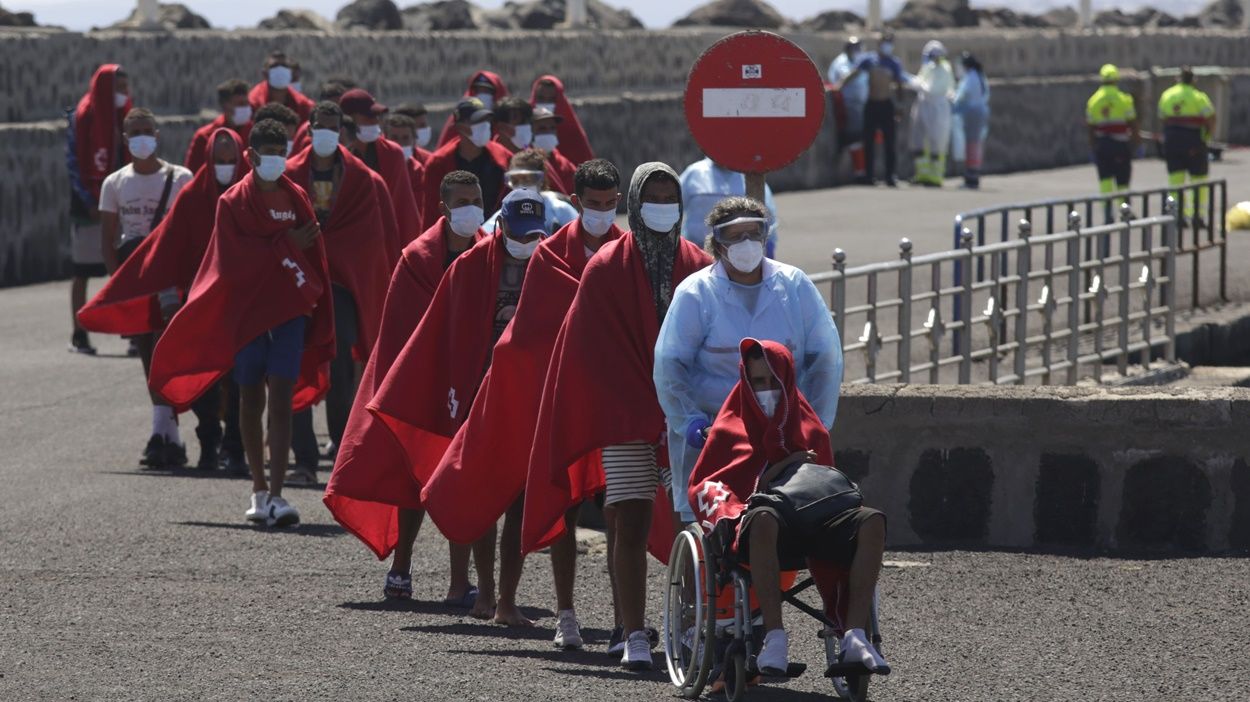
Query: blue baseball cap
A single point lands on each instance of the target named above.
(525, 212)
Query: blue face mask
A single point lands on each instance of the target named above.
(271, 168)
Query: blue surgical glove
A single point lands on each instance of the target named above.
(694, 432)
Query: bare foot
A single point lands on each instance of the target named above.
(484, 607)
(510, 615)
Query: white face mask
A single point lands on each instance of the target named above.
(423, 136)
(280, 77)
(746, 255)
(548, 106)
(141, 146)
(488, 100)
(241, 115)
(369, 133)
(407, 151)
(546, 142)
(224, 172)
(660, 218)
(768, 400)
(480, 134)
(271, 168)
(465, 221)
(119, 100)
(324, 142)
(597, 222)
(523, 135)
(521, 251)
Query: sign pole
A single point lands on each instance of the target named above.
(755, 186)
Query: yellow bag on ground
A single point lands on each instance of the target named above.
(1239, 216)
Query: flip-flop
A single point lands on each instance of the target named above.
(465, 601)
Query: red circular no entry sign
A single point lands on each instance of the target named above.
(754, 102)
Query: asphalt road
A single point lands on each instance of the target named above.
(117, 584)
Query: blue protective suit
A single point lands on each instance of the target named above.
(697, 356)
(703, 184)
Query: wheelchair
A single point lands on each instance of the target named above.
(713, 630)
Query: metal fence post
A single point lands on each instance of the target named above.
(1074, 296)
(1170, 237)
(904, 312)
(837, 292)
(1126, 235)
(965, 309)
(1024, 267)
(1219, 215)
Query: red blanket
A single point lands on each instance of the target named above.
(301, 104)
(393, 167)
(167, 258)
(371, 479)
(358, 240)
(444, 161)
(197, 155)
(599, 389)
(426, 395)
(251, 280)
(501, 92)
(743, 441)
(573, 141)
(97, 129)
(493, 446)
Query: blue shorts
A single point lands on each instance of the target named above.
(275, 353)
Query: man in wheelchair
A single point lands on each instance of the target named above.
(764, 484)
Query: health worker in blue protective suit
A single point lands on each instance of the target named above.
(742, 294)
(703, 184)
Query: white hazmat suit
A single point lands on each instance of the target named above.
(931, 114)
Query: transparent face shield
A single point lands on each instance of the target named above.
(524, 180)
(741, 229)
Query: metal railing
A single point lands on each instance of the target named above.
(1025, 321)
(1204, 230)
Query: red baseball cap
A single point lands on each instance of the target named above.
(358, 101)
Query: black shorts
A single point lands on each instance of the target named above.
(834, 542)
(1114, 159)
(1184, 150)
(88, 270)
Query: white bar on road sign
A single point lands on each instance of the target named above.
(754, 102)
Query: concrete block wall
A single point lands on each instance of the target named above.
(1119, 470)
(41, 72)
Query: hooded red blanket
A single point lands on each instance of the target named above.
(301, 104)
(492, 448)
(599, 389)
(501, 92)
(744, 441)
(167, 258)
(97, 129)
(360, 246)
(197, 155)
(251, 280)
(371, 480)
(427, 394)
(393, 167)
(573, 141)
(444, 161)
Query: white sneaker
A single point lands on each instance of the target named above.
(856, 649)
(774, 657)
(568, 634)
(637, 652)
(259, 511)
(281, 513)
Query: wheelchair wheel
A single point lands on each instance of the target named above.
(689, 613)
(736, 675)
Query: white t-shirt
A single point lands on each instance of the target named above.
(134, 197)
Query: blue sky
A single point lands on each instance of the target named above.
(84, 14)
